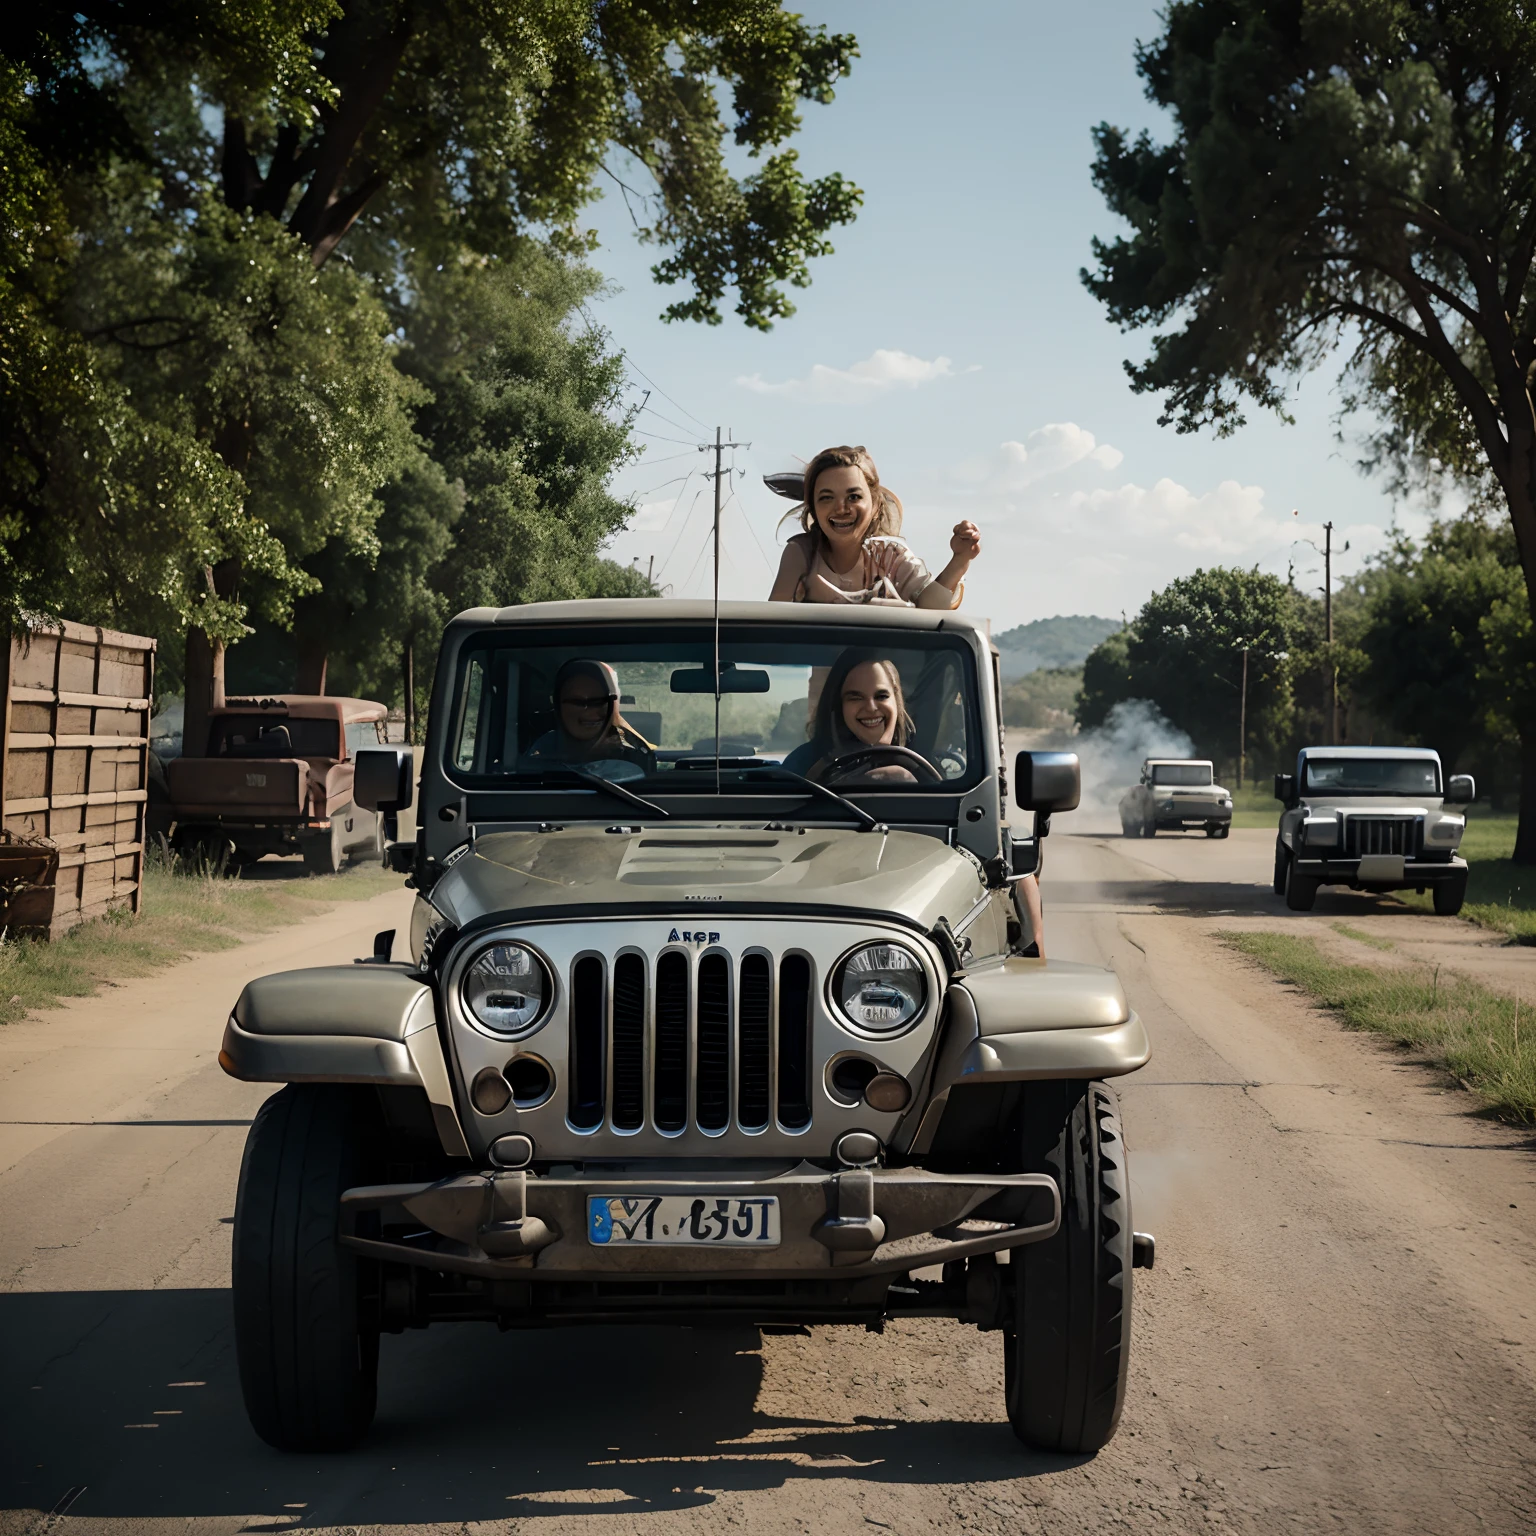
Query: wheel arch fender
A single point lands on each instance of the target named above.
(369, 1024)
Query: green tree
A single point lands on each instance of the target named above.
(273, 134)
(1187, 655)
(1343, 174)
(1106, 679)
(1431, 674)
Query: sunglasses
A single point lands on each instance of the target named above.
(592, 701)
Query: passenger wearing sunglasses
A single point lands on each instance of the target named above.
(588, 726)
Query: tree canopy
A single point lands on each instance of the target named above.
(235, 236)
(1342, 173)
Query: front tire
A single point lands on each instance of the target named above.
(325, 852)
(1449, 896)
(308, 1365)
(1282, 858)
(1300, 890)
(1068, 1349)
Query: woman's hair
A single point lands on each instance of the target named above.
(618, 731)
(888, 509)
(831, 732)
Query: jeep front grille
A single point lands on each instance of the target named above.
(710, 1056)
(1383, 834)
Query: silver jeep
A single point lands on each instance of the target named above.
(712, 1012)
(1374, 819)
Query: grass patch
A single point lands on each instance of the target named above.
(1487, 1040)
(184, 914)
(1501, 894)
(1360, 936)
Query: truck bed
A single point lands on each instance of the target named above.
(237, 788)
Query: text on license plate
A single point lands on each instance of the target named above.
(727, 1221)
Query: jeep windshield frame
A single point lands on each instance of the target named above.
(501, 747)
(1399, 777)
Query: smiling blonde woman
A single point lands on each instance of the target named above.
(851, 551)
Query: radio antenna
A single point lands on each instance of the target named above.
(719, 445)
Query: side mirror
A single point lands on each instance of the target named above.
(381, 780)
(1047, 781)
(1460, 789)
(1285, 787)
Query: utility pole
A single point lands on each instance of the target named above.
(1242, 726)
(719, 445)
(1333, 669)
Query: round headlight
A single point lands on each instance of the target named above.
(505, 988)
(881, 988)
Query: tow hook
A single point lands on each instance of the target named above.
(1143, 1250)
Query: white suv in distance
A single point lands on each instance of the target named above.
(1175, 793)
(1374, 819)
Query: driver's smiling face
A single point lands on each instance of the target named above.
(869, 704)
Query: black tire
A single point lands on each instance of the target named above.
(1213, 831)
(1149, 828)
(1068, 1351)
(308, 1365)
(325, 852)
(1225, 831)
(1300, 890)
(1282, 858)
(1449, 896)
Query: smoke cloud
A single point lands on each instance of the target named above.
(1112, 753)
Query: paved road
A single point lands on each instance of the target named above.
(1340, 1332)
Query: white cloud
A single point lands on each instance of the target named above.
(883, 370)
(1048, 450)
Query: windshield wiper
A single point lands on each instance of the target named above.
(607, 785)
(867, 822)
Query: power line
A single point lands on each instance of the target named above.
(681, 531)
(657, 437)
(628, 363)
(664, 484)
(651, 410)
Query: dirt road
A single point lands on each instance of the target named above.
(1340, 1332)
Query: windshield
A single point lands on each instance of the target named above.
(275, 736)
(1372, 776)
(1185, 774)
(842, 707)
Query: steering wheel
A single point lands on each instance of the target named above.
(950, 756)
(849, 764)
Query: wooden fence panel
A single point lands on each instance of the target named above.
(74, 772)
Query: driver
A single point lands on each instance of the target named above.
(860, 706)
(588, 726)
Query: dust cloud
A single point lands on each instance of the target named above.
(1112, 753)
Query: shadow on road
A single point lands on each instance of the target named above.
(473, 1424)
(1214, 898)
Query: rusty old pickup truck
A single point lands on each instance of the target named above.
(276, 777)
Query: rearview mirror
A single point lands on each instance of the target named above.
(381, 780)
(1460, 789)
(1285, 787)
(1047, 781)
(733, 679)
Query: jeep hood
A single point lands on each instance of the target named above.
(580, 868)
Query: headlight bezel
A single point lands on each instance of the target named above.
(861, 1027)
(464, 970)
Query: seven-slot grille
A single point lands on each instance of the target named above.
(1383, 834)
(725, 1043)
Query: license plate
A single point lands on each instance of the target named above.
(684, 1221)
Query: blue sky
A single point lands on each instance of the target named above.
(951, 335)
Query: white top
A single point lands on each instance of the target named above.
(886, 572)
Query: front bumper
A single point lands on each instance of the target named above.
(1194, 816)
(1380, 871)
(850, 1224)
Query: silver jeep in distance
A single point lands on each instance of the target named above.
(716, 1007)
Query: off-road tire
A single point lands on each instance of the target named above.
(1068, 1349)
(1449, 896)
(325, 852)
(1282, 858)
(308, 1365)
(1149, 828)
(1300, 890)
(1213, 831)
(1224, 831)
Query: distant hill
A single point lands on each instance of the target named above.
(1060, 642)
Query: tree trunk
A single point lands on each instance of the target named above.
(408, 666)
(1525, 834)
(204, 691)
(310, 674)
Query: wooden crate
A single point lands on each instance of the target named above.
(74, 764)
